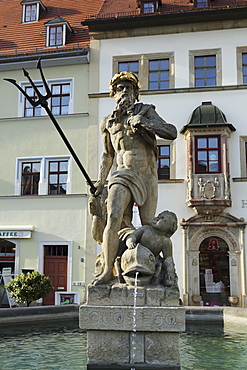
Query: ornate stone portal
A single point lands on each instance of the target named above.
(132, 315)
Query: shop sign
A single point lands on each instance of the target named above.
(15, 234)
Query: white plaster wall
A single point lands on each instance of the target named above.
(177, 107)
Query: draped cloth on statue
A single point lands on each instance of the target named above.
(133, 182)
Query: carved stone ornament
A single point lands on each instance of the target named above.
(208, 188)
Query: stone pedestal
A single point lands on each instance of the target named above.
(114, 342)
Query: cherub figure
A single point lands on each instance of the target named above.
(156, 237)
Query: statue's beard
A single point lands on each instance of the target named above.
(124, 106)
(125, 103)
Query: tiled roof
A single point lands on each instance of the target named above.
(18, 38)
(126, 8)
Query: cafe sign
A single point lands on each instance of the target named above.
(12, 234)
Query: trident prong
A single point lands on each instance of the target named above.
(42, 100)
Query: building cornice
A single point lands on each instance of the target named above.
(52, 59)
(99, 27)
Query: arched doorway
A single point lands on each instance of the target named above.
(214, 272)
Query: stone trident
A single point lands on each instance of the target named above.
(42, 100)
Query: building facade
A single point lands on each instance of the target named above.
(43, 195)
(191, 60)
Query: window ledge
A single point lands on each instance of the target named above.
(239, 179)
(173, 181)
(45, 116)
(178, 90)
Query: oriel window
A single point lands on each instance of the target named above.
(208, 154)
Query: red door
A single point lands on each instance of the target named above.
(55, 266)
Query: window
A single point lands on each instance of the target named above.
(201, 3)
(30, 178)
(159, 74)
(205, 70)
(30, 13)
(60, 98)
(55, 36)
(131, 66)
(60, 103)
(43, 175)
(246, 156)
(57, 32)
(32, 10)
(155, 71)
(244, 66)
(243, 156)
(29, 110)
(163, 162)
(148, 7)
(207, 154)
(58, 173)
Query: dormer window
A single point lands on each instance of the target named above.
(201, 3)
(149, 7)
(57, 32)
(31, 10)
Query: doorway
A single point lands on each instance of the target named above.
(214, 272)
(55, 266)
(7, 262)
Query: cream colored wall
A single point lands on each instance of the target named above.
(37, 136)
(55, 218)
(61, 219)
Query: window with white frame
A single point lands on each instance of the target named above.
(29, 109)
(205, 68)
(57, 32)
(60, 103)
(43, 175)
(60, 98)
(31, 10)
(56, 35)
(57, 177)
(155, 71)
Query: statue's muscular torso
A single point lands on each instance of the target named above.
(132, 151)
